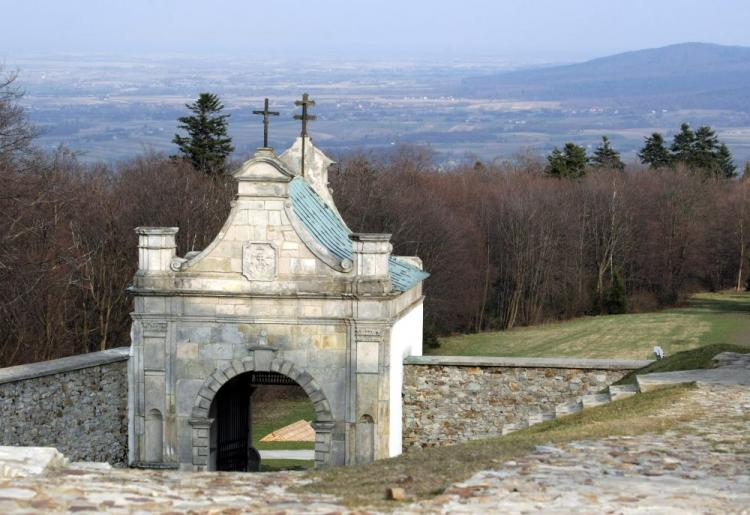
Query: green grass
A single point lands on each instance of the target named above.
(685, 360)
(278, 465)
(429, 472)
(274, 414)
(707, 318)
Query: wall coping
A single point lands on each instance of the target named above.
(58, 366)
(512, 362)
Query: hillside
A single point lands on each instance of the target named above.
(688, 75)
(707, 318)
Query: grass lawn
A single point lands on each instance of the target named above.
(274, 414)
(707, 318)
(428, 472)
(701, 357)
(278, 465)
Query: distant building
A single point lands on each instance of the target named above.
(285, 293)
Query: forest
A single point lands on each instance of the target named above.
(507, 243)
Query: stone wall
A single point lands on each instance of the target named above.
(453, 399)
(77, 405)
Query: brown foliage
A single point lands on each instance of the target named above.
(505, 245)
(508, 247)
(68, 250)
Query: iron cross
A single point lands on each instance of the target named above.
(305, 103)
(266, 113)
(305, 117)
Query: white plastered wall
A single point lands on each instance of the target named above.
(406, 340)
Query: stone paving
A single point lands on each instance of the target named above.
(702, 467)
(86, 488)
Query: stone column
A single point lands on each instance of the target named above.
(371, 253)
(156, 248)
(200, 437)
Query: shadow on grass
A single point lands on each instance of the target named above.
(737, 303)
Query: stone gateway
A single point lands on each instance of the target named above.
(284, 294)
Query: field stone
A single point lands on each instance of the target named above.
(494, 396)
(82, 413)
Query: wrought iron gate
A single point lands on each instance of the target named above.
(233, 426)
(234, 451)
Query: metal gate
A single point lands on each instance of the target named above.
(234, 451)
(233, 426)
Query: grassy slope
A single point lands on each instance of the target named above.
(428, 472)
(707, 318)
(700, 357)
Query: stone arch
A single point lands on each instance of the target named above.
(259, 361)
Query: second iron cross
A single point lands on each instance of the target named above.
(305, 117)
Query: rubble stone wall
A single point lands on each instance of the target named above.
(77, 405)
(450, 400)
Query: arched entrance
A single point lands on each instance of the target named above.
(234, 412)
(221, 416)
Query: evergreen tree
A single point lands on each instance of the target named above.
(569, 163)
(682, 144)
(725, 164)
(207, 144)
(616, 302)
(704, 151)
(654, 153)
(607, 157)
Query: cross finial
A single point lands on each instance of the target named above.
(305, 117)
(266, 113)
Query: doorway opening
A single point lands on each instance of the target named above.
(261, 422)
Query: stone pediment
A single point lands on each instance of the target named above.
(264, 166)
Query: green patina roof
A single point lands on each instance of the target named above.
(331, 232)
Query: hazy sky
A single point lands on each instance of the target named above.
(525, 29)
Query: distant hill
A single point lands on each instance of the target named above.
(688, 75)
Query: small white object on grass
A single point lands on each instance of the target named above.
(658, 352)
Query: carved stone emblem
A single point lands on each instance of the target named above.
(259, 261)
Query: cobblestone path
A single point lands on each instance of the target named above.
(703, 467)
(84, 489)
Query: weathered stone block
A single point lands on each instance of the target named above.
(187, 392)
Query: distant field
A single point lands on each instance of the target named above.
(707, 318)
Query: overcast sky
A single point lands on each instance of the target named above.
(523, 29)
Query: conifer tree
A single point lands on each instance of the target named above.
(704, 151)
(654, 153)
(682, 144)
(725, 164)
(569, 163)
(207, 144)
(616, 302)
(607, 157)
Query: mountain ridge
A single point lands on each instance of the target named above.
(684, 75)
